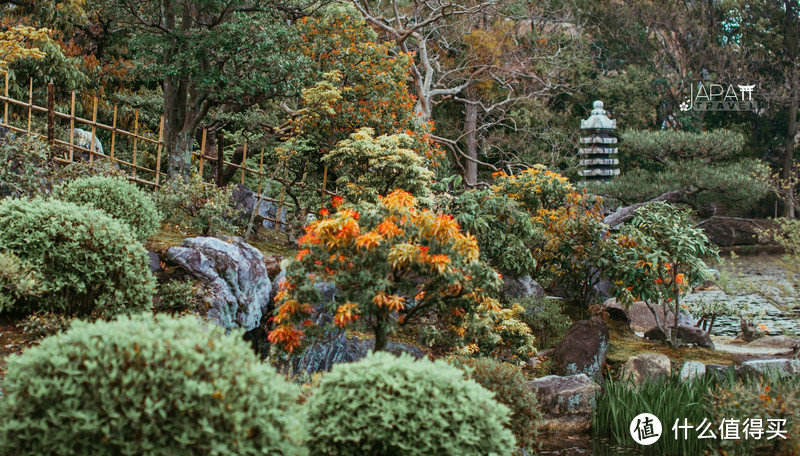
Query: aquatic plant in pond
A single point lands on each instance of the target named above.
(669, 400)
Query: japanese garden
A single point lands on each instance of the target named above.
(399, 227)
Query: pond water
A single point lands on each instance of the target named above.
(760, 269)
(763, 270)
(581, 445)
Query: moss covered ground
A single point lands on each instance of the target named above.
(625, 344)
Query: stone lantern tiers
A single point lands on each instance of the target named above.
(598, 149)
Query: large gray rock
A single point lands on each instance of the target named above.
(568, 402)
(83, 139)
(515, 287)
(721, 371)
(642, 318)
(689, 335)
(731, 231)
(775, 342)
(276, 284)
(245, 200)
(583, 349)
(646, 367)
(155, 261)
(692, 370)
(321, 356)
(235, 272)
(779, 367)
(694, 336)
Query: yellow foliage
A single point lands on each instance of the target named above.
(16, 43)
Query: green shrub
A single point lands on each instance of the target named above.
(43, 324)
(18, 278)
(117, 197)
(762, 398)
(707, 166)
(504, 229)
(79, 169)
(368, 167)
(140, 385)
(510, 387)
(545, 318)
(387, 405)
(177, 296)
(196, 206)
(25, 167)
(91, 262)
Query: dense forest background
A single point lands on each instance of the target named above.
(482, 87)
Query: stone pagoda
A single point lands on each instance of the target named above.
(598, 149)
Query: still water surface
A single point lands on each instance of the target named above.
(763, 270)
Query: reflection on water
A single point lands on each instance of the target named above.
(760, 269)
(585, 445)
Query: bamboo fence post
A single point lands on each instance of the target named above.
(30, 104)
(244, 160)
(5, 110)
(113, 134)
(158, 154)
(94, 131)
(135, 139)
(203, 152)
(51, 113)
(72, 129)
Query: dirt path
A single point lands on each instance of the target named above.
(12, 340)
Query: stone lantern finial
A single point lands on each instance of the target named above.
(598, 120)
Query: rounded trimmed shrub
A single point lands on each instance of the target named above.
(510, 387)
(91, 262)
(117, 197)
(147, 385)
(387, 405)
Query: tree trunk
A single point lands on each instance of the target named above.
(381, 334)
(676, 319)
(470, 126)
(179, 153)
(655, 315)
(623, 214)
(788, 154)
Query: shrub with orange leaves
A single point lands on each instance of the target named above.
(394, 264)
(764, 398)
(361, 84)
(660, 259)
(499, 332)
(563, 241)
(579, 247)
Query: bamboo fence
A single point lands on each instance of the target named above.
(152, 177)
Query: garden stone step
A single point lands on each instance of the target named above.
(568, 402)
(646, 367)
